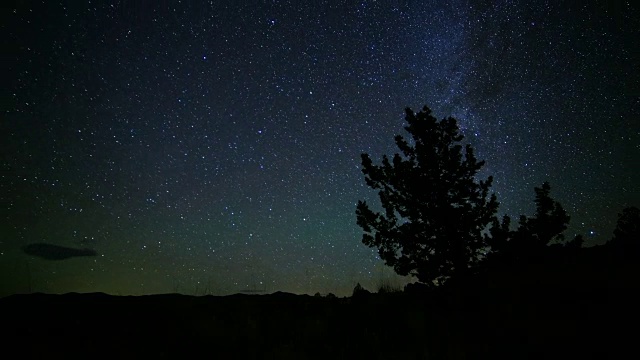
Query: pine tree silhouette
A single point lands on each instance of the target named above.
(434, 209)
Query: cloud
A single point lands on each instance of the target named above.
(55, 252)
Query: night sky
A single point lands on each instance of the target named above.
(216, 148)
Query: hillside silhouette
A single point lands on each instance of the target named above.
(573, 303)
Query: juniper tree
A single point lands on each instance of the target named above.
(533, 234)
(434, 208)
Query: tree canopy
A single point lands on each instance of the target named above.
(434, 209)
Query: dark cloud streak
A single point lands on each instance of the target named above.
(55, 252)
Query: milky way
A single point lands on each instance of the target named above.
(216, 148)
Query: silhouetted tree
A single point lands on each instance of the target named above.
(434, 209)
(627, 231)
(500, 235)
(549, 222)
(359, 291)
(533, 234)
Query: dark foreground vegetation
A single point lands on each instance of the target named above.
(577, 303)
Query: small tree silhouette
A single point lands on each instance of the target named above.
(549, 222)
(533, 234)
(359, 291)
(627, 231)
(434, 209)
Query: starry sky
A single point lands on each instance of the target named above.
(214, 147)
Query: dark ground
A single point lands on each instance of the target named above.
(567, 309)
